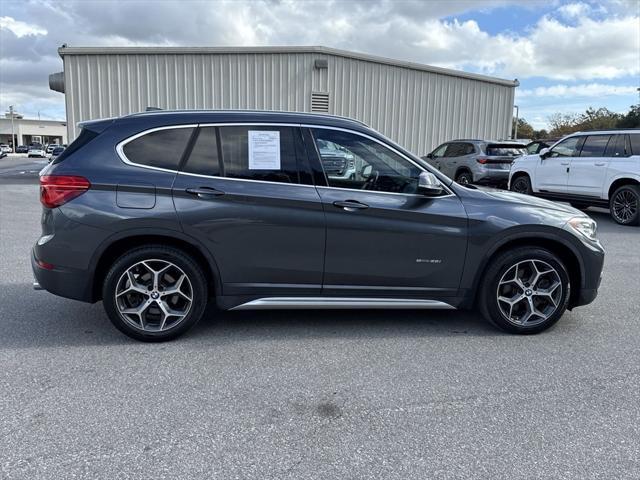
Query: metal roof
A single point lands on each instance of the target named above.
(62, 51)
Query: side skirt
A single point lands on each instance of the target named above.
(291, 303)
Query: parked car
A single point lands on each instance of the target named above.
(537, 145)
(56, 153)
(481, 162)
(22, 149)
(36, 152)
(51, 147)
(338, 164)
(2, 154)
(5, 148)
(165, 212)
(598, 168)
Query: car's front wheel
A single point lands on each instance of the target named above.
(154, 293)
(521, 184)
(525, 290)
(624, 205)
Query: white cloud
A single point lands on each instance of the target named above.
(591, 90)
(574, 10)
(20, 29)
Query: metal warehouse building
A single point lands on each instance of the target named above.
(416, 105)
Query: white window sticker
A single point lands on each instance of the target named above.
(264, 150)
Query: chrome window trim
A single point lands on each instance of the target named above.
(120, 151)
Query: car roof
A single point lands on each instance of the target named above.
(619, 131)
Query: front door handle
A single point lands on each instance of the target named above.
(600, 164)
(205, 192)
(564, 163)
(350, 205)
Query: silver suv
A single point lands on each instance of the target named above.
(476, 161)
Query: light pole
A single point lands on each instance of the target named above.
(515, 133)
(13, 139)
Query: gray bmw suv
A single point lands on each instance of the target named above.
(158, 214)
(482, 162)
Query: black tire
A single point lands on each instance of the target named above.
(464, 177)
(580, 206)
(521, 184)
(488, 302)
(624, 205)
(161, 253)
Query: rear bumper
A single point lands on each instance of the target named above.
(65, 282)
(491, 177)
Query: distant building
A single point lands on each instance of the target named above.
(418, 106)
(29, 130)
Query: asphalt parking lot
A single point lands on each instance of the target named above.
(304, 394)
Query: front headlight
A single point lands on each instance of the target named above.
(585, 226)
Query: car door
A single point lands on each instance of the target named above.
(245, 193)
(384, 239)
(588, 170)
(552, 170)
(435, 158)
(453, 158)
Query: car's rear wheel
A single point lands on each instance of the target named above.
(522, 184)
(154, 293)
(624, 205)
(464, 178)
(525, 290)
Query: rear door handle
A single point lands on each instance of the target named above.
(564, 163)
(205, 192)
(600, 164)
(350, 205)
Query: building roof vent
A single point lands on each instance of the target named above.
(320, 102)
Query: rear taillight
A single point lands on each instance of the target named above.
(482, 160)
(56, 190)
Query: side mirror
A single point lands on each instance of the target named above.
(366, 170)
(429, 155)
(428, 184)
(544, 153)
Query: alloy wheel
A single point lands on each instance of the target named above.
(154, 295)
(625, 206)
(520, 186)
(529, 292)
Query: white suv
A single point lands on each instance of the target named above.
(600, 168)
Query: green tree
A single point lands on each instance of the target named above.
(562, 124)
(524, 129)
(631, 119)
(599, 119)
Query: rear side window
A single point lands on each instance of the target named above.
(595, 145)
(635, 143)
(204, 159)
(506, 150)
(85, 137)
(264, 153)
(159, 149)
(617, 147)
(459, 149)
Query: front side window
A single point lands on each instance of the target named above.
(160, 149)
(595, 145)
(376, 167)
(439, 152)
(264, 153)
(566, 148)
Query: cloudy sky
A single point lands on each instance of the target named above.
(568, 55)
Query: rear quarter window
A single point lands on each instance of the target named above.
(159, 149)
(81, 140)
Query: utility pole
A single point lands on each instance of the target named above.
(515, 134)
(13, 139)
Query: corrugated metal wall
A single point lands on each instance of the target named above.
(418, 109)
